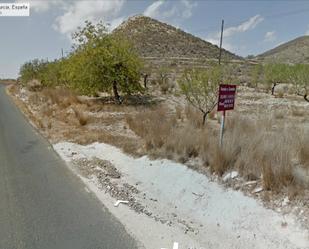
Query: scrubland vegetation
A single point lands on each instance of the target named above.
(99, 62)
(265, 147)
(251, 146)
(271, 75)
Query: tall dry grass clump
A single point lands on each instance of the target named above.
(304, 149)
(60, 96)
(275, 158)
(154, 126)
(183, 142)
(257, 149)
(81, 117)
(193, 116)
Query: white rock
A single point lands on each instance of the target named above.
(120, 201)
(257, 190)
(250, 183)
(230, 175)
(285, 201)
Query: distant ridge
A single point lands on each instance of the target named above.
(294, 51)
(152, 38)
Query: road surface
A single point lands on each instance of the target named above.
(43, 205)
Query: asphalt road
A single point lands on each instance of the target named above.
(43, 205)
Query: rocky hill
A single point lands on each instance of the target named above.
(295, 51)
(153, 38)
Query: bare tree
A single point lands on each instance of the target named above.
(200, 87)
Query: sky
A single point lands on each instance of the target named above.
(250, 27)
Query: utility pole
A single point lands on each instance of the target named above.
(223, 115)
(62, 53)
(221, 38)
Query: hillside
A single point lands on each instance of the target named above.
(153, 38)
(295, 51)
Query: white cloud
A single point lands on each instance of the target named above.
(189, 6)
(229, 32)
(270, 36)
(170, 10)
(153, 9)
(77, 12)
(243, 27)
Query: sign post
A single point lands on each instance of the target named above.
(225, 102)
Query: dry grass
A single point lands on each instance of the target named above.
(279, 114)
(178, 111)
(304, 149)
(81, 117)
(256, 150)
(47, 111)
(276, 163)
(127, 144)
(13, 89)
(280, 93)
(183, 142)
(298, 112)
(62, 97)
(252, 147)
(194, 116)
(153, 126)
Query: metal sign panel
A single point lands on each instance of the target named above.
(226, 97)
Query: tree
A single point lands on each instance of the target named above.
(103, 62)
(275, 74)
(299, 75)
(51, 74)
(229, 73)
(256, 74)
(31, 70)
(200, 87)
(48, 74)
(250, 56)
(146, 72)
(99, 61)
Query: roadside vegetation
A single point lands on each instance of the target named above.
(7, 81)
(271, 75)
(200, 88)
(99, 62)
(263, 147)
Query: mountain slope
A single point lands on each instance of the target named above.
(295, 51)
(152, 38)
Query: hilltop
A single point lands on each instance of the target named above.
(295, 51)
(152, 38)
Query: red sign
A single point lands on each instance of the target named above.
(226, 97)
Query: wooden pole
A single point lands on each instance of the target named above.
(221, 38)
(222, 128)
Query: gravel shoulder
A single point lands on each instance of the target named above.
(168, 202)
